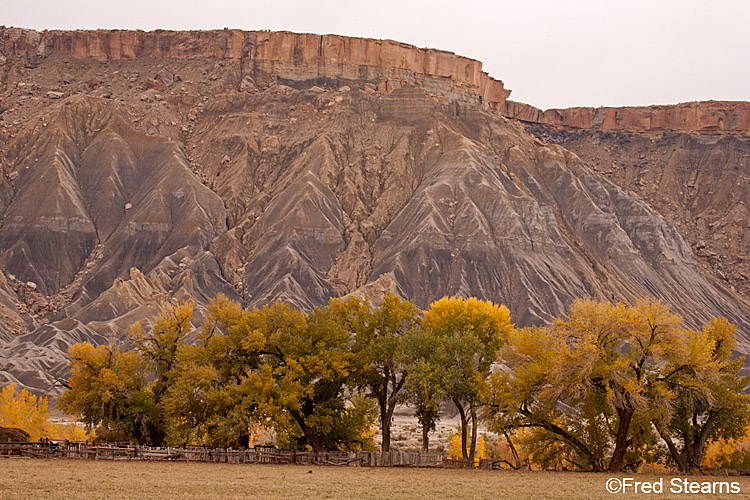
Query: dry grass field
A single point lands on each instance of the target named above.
(83, 480)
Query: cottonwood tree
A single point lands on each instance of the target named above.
(120, 393)
(380, 343)
(24, 410)
(618, 353)
(108, 391)
(206, 402)
(31, 413)
(425, 385)
(598, 378)
(307, 375)
(469, 334)
(158, 345)
(525, 392)
(274, 366)
(706, 405)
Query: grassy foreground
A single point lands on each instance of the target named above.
(82, 480)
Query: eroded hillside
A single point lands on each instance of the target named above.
(151, 169)
(699, 182)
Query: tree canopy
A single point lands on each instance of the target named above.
(602, 378)
(24, 410)
(605, 387)
(468, 334)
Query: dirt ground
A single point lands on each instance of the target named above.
(406, 434)
(124, 480)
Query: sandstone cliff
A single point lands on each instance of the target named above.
(292, 56)
(697, 117)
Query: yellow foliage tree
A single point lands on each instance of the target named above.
(455, 448)
(729, 453)
(600, 379)
(159, 344)
(31, 413)
(108, 391)
(24, 410)
(70, 432)
(468, 335)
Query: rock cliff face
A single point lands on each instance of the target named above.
(290, 56)
(141, 169)
(709, 117)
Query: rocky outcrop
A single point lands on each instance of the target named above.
(403, 185)
(289, 56)
(708, 117)
(38, 361)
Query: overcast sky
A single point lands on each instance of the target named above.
(550, 53)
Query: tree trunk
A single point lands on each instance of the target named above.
(622, 442)
(534, 421)
(385, 424)
(315, 442)
(700, 440)
(243, 437)
(674, 452)
(516, 458)
(427, 421)
(688, 447)
(312, 436)
(387, 404)
(464, 423)
(473, 450)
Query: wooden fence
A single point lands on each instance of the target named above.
(259, 454)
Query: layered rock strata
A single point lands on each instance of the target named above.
(145, 169)
(291, 56)
(707, 117)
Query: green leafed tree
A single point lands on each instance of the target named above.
(425, 385)
(706, 404)
(468, 334)
(206, 401)
(380, 344)
(306, 382)
(159, 344)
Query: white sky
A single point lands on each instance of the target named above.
(550, 53)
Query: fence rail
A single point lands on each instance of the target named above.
(260, 454)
